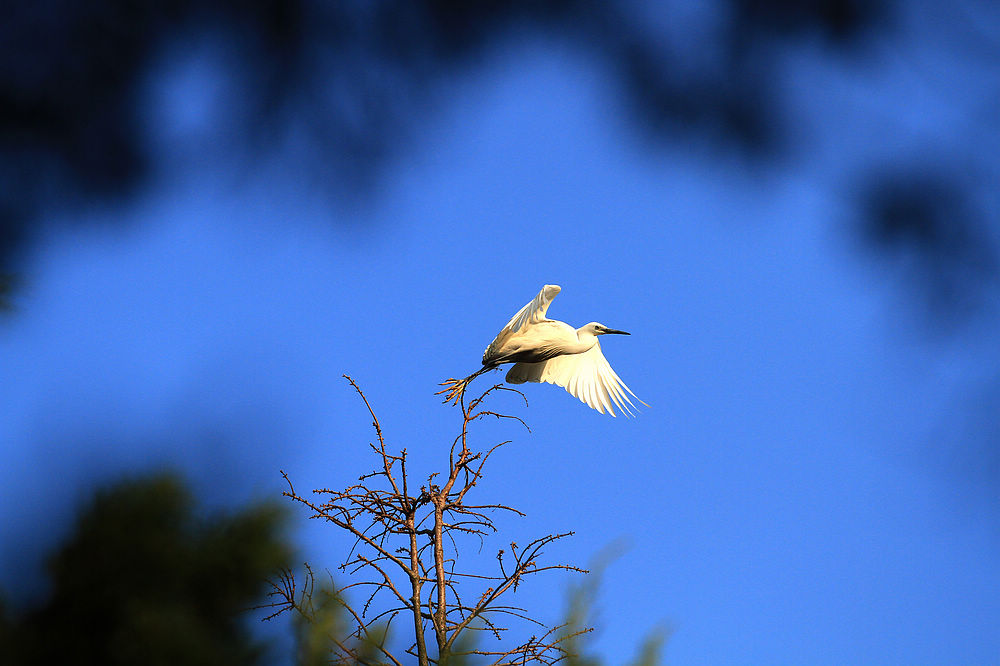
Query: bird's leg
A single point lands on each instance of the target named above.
(455, 388)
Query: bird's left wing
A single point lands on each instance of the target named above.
(587, 376)
(533, 312)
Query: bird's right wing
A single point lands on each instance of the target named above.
(587, 376)
(533, 312)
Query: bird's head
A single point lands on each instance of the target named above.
(594, 328)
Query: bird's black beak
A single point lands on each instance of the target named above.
(611, 330)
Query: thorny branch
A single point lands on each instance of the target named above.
(406, 552)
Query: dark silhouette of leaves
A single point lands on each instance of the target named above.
(144, 579)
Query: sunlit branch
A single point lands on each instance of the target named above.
(408, 546)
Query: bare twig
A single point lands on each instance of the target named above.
(405, 546)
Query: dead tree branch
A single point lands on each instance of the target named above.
(406, 554)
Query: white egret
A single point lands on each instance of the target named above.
(546, 350)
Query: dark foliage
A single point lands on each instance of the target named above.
(352, 74)
(926, 216)
(145, 580)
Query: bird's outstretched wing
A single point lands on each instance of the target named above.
(533, 312)
(587, 376)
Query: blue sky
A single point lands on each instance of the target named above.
(775, 501)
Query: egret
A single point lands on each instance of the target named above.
(546, 350)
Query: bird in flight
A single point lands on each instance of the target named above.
(546, 350)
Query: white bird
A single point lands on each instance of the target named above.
(546, 350)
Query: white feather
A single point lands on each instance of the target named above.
(533, 312)
(587, 376)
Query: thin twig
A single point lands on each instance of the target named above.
(409, 547)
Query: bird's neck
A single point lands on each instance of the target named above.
(586, 341)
